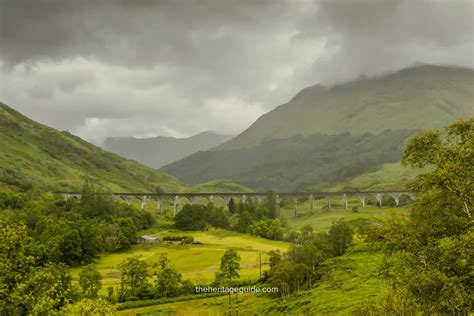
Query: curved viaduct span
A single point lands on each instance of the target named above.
(256, 196)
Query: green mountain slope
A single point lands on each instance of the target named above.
(296, 162)
(328, 135)
(34, 156)
(159, 151)
(414, 98)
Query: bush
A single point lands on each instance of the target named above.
(183, 239)
(191, 217)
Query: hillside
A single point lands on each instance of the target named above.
(34, 156)
(329, 135)
(159, 151)
(414, 98)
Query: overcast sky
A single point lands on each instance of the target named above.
(146, 68)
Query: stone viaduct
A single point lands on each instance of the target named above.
(159, 198)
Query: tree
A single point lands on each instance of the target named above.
(232, 207)
(217, 216)
(430, 254)
(42, 292)
(271, 204)
(15, 264)
(168, 279)
(451, 155)
(230, 266)
(245, 220)
(71, 247)
(89, 307)
(133, 279)
(191, 217)
(90, 281)
(341, 236)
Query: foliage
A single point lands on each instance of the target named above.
(300, 267)
(90, 281)
(183, 239)
(25, 287)
(133, 280)
(167, 283)
(74, 232)
(191, 217)
(229, 268)
(89, 307)
(341, 236)
(430, 255)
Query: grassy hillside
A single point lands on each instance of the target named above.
(414, 98)
(392, 176)
(326, 136)
(158, 151)
(296, 162)
(36, 156)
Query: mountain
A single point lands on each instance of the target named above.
(34, 156)
(327, 135)
(159, 151)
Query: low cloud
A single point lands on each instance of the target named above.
(146, 68)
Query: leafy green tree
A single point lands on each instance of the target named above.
(271, 204)
(168, 280)
(89, 307)
(15, 263)
(430, 255)
(42, 292)
(90, 281)
(231, 206)
(11, 200)
(191, 217)
(450, 154)
(71, 247)
(96, 203)
(133, 279)
(230, 266)
(217, 216)
(341, 236)
(245, 220)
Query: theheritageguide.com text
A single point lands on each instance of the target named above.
(245, 289)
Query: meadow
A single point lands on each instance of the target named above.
(196, 262)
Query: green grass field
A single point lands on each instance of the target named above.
(197, 263)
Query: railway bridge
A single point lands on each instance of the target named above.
(176, 198)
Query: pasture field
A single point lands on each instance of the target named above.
(197, 263)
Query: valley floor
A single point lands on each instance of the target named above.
(350, 280)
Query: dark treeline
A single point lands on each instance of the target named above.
(245, 217)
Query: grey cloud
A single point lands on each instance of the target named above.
(115, 67)
(367, 37)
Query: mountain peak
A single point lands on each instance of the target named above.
(422, 96)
